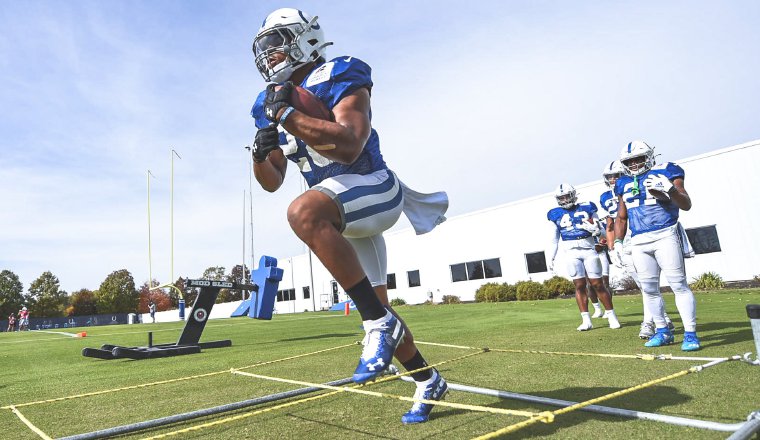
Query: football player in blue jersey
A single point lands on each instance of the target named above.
(609, 202)
(352, 197)
(576, 226)
(650, 198)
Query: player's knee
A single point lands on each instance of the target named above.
(650, 288)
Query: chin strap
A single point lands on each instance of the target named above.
(635, 189)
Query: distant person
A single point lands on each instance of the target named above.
(576, 227)
(430, 296)
(23, 319)
(152, 310)
(11, 322)
(650, 198)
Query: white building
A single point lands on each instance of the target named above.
(507, 242)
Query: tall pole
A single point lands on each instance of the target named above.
(171, 234)
(150, 257)
(250, 195)
(242, 276)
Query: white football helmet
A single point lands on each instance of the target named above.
(612, 171)
(637, 158)
(292, 32)
(566, 195)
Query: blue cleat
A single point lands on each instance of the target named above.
(690, 342)
(383, 336)
(436, 389)
(662, 336)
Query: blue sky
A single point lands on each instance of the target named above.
(490, 101)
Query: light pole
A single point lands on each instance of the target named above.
(181, 296)
(250, 195)
(150, 257)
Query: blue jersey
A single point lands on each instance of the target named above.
(330, 82)
(569, 220)
(609, 202)
(646, 213)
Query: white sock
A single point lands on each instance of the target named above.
(596, 306)
(611, 313)
(585, 317)
(370, 324)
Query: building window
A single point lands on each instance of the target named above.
(536, 262)
(458, 272)
(492, 268)
(704, 240)
(286, 295)
(391, 281)
(414, 278)
(306, 292)
(475, 270)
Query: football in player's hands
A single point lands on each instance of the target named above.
(659, 195)
(307, 103)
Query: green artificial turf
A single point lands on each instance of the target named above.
(38, 366)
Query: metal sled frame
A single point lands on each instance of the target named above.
(188, 342)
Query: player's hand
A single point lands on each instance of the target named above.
(591, 228)
(551, 266)
(277, 100)
(658, 185)
(267, 140)
(617, 254)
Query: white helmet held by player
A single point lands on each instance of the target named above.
(566, 195)
(293, 33)
(612, 172)
(637, 158)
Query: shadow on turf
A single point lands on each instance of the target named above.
(324, 336)
(642, 400)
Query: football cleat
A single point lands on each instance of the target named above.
(647, 330)
(661, 337)
(435, 390)
(690, 342)
(380, 342)
(613, 321)
(598, 313)
(585, 326)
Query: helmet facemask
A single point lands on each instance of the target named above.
(291, 33)
(638, 165)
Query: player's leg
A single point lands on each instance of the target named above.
(649, 276)
(574, 265)
(593, 268)
(669, 256)
(594, 299)
(320, 217)
(372, 254)
(647, 328)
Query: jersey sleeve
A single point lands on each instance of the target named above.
(338, 78)
(257, 112)
(673, 171)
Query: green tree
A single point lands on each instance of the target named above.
(236, 275)
(216, 273)
(159, 297)
(45, 297)
(82, 302)
(11, 293)
(117, 294)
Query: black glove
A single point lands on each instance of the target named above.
(267, 140)
(277, 100)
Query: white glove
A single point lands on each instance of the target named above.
(617, 254)
(591, 228)
(658, 182)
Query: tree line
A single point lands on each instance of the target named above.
(116, 294)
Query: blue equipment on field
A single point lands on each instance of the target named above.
(265, 280)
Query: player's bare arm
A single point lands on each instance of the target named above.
(271, 173)
(343, 140)
(610, 232)
(621, 221)
(679, 196)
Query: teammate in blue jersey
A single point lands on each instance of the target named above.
(352, 197)
(612, 172)
(576, 227)
(650, 197)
